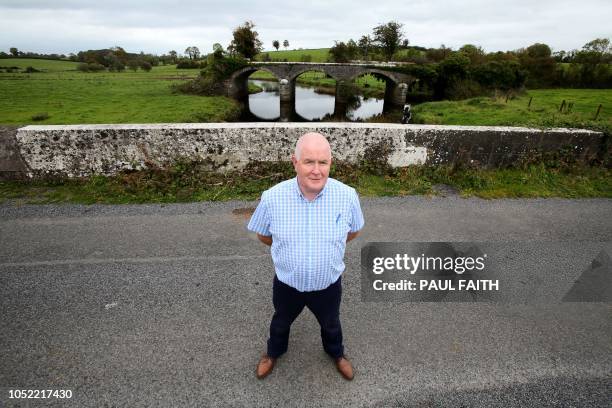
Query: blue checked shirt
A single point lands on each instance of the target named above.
(308, 238)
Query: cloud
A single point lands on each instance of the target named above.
(157, 26)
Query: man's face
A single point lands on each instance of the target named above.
(312, 168)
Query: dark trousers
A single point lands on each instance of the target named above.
(289, 303)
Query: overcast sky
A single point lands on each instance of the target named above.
(157, 26)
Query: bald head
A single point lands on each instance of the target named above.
(311, 141)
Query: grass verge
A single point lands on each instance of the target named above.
(189, 182)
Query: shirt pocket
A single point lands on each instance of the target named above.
(340, 226)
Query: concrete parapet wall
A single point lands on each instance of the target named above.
(82, 150)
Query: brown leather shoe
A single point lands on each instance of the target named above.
(345, 367)
(265, 366)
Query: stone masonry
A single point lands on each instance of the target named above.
(82, 150)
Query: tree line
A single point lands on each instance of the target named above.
(444, 72)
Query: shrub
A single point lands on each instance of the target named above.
(40, 116)
(90, 67)
(146, 66)
(464, 89)
(30, 70)
(188, 64)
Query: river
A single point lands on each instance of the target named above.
(309, 104)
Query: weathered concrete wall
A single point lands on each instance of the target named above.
(11, 163)
(81, 150)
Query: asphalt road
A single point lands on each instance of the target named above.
(169, 305)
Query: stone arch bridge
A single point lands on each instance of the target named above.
(287, 72)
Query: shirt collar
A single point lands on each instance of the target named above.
(296, 186)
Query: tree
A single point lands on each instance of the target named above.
(438, 54)
(343, 52)
(592, 64)
(133, 64)
(538, 61)
(146, 66)
(192, 52)
(598, 45)
(474, 53)
(286, 44)
(364, 44)
(217, 50)
(14, 52)
(388, 37)
(276, 44)
(173, 56)
(246, 41)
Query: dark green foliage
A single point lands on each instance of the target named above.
(92, 67)
(185, 63)
(245, 40)
(343, 52)
(30, 70)
(503, 75)
(538, 61)
(40, 116)
(145, 66)
(210, 82)
(389, 37)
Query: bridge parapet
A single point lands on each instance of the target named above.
(82, 150)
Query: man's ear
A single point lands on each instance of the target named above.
(293, 159)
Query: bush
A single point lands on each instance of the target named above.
(90, 67)
(464, 89)
(146, 66)
(189, 64)
(40, 116)
(30, 70)
(203, 85)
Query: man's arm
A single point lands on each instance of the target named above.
(265, 239)
(351, 236)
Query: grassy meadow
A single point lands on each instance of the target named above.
(68, 96)
(316, 55)
(62, 95)
(543, 111)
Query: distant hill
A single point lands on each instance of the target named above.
(305, 55)
(45, 65)
(313, 54)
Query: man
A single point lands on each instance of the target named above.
(307, 221)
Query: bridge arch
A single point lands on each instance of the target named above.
(396, 83)
(377, 73)
(318, 68)
(237, 84)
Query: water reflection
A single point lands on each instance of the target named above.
(309, 105)
(266, 104)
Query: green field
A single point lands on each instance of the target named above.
(544, 109)
(316, 55)
(68, 96)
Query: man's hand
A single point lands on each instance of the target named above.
(352, 235)
(265, 239)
